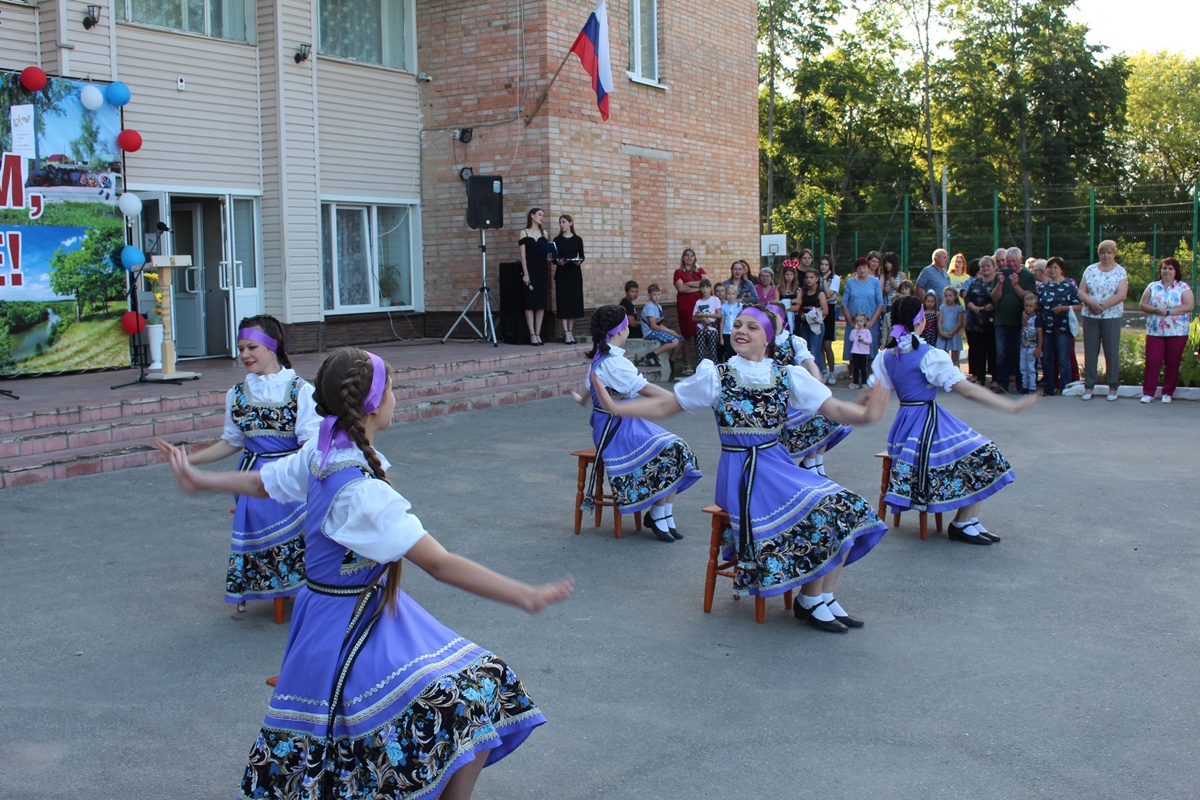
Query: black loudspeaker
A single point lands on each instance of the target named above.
(485, 201)
(512, 328)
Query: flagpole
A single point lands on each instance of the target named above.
(545, 94)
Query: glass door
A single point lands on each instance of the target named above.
(239, 267)
(189, 323)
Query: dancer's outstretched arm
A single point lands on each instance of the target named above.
(973, 391)
(869, 410)
(192, 480)
(659, 407)
(447, 567)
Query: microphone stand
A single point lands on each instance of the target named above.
(136, 348)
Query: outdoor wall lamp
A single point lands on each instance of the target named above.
(302, 54)
(92, 19)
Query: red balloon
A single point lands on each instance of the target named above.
(133, 323)
(129, 140)
(33, 78)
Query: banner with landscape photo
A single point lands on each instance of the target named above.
(62, 286)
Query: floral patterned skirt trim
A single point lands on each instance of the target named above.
(974, 477)
(481, 708)
(804, 436)
(673, 469)
(841, 525)
(266, 558)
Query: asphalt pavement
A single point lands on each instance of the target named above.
(1060, 663)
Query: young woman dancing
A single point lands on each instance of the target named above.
(375, 697)
(793, 527)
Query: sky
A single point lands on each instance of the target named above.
(38, 245)
(1127, 27)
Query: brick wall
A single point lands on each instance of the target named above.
(672, 168)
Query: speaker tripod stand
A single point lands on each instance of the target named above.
(488, 333)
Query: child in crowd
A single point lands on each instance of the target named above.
(729, 311)
(930, 334)
(790, 528)
(627, 303)
(653, 329)
(707, 315)
(860, 351)
(1031, 345)
(646, 465)
(939, 463)
(766, 286)
(373, 690)
(268, 416)
(950, 324)
(906, 289)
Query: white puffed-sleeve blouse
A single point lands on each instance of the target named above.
(368, 516)
(936, 365)
(619, 374)
(703, 390)
(274, 388)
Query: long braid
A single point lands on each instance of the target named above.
(351, 391)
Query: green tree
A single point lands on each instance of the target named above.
(46, 101)
(1164, 120)
(93, 273)
(83, 147)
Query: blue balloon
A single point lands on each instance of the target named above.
(132, 258)
(117, 93)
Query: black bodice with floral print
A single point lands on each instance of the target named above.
(785, 353)
(261, 417)
(753, 408)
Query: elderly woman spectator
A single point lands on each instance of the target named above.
(766, 286)
(1168, 303)
(1057, 298)
(862, 293)
(739, 273)
(1102, 292)
(981, 322)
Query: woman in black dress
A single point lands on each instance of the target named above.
(535, 274)
(568, 277)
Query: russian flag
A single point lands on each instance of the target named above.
(592, 48)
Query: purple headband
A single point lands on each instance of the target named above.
(620, 326)
(765, 319)
(255, 335)
(331, 438)
(899, 330)
(783, 317)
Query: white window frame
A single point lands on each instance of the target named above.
(637, 70)
(409, 38)
(416, 287)
(251, 21)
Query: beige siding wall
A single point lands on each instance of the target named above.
(19, 45)
(369, 137)
(208, 134)
(48, 33)
(272, 202)
(302, 234)
(92, 53)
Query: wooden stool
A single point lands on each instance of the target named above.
(883, 487)
(601, 500)
(720, 521)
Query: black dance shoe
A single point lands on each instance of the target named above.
(849, 621)
(805, 614)
(991, 537)
(659, 528)
(955, 534)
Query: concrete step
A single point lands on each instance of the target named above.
(85, 440)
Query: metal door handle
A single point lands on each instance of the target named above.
(237, 274)
(191, 280)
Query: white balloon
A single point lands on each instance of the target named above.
(91, 97)
(130, 204)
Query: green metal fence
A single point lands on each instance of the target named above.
(1148, 223)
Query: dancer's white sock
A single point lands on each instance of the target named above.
(833, 605)
(668, 508)
(808, 602)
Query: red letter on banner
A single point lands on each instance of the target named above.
(35, 205)
(12, 182)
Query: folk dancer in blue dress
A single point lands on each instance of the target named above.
(267, 416)
(938, 462)
(807, 437)
(646, 465)
(791, 527)
(375, 697)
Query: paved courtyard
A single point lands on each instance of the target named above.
(1060, 663)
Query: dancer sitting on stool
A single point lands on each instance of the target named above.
(646, 465)
(267, 416)
(807, 437)
(793, 527)
(375, 697)
(938, 463)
